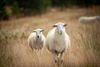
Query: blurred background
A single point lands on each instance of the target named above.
(18, 18)
(18, 8)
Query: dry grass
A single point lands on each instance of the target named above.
(85, 40)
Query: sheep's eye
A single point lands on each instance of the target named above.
(41, 31)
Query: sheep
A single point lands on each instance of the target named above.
(36, 39)
(85, 19)
(57, 41)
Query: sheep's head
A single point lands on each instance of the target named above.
(98, 17)
(38, 32)
(60, 27)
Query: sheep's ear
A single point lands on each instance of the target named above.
(54, 25)
(65, 24)
(34, 31)
(42, 30)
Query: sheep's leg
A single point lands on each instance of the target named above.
(55, 57)
(61, 56)
(60, 60)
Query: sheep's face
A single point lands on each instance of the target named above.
(38, 32)
(60, 27)
(98, 17)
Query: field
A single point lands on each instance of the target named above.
(85, 39)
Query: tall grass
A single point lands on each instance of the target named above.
(85, 41)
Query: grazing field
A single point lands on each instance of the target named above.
(85, 40)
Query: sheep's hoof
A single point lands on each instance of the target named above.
(62, 61)
(55, 61)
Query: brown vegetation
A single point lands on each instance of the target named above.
(85, 40)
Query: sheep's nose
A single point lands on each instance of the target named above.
(60, 32)
(37, 36)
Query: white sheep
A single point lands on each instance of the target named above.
(57, 41)
(36, 39)
(85, 19)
